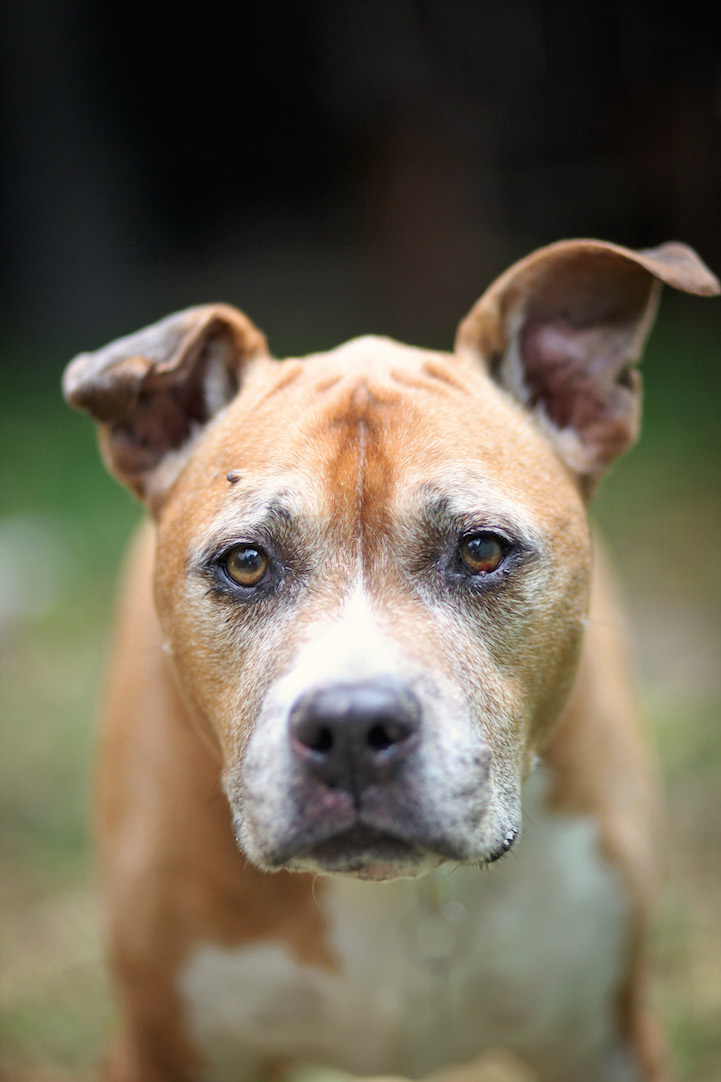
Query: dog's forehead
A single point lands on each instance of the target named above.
(377, 422)
(369, 356)
(415, 399)
(365, 381)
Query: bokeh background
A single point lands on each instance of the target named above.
(334, 169)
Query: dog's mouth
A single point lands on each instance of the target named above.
(363, 852)
(381, 840)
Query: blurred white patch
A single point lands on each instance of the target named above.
(33, 565)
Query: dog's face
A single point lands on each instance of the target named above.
(380, 612)
(373, 564)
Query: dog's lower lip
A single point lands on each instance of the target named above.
(362, 848)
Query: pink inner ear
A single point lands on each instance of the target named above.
(580, 376)
(571, 370)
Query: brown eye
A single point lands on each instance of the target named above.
(482, 553)
(246, 565)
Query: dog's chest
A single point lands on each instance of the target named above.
(527, 954)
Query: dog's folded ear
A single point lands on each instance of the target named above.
(563, 329)
(152, 390)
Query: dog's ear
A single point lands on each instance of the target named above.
(150, 392)
(563, 329)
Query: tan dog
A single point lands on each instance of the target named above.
(372, 577)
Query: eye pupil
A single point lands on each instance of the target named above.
(246, 565)
(482, 553)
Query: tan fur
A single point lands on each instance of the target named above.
(360, 472)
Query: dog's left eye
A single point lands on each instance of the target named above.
(482, 553)
(246, 565)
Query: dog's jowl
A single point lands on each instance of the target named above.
(354, 666)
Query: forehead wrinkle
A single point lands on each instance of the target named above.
(357, 469)
(360, 488)
(374, 473)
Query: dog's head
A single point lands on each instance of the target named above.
(373, 564)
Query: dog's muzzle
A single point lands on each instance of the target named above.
(360, 777)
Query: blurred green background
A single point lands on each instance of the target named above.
(333, 170)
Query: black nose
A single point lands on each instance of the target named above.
(350, 736)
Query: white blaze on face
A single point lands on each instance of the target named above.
(351, 647)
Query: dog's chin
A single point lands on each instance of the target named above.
(364, 853)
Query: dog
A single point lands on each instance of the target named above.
(356, 631)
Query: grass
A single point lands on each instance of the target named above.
(63, 526)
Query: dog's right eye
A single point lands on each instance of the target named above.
(482, 553)
(246, 565)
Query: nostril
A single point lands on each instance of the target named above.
(385, 734)
(379, 738)
(314, 736)
(321, 740)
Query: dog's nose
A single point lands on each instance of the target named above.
(350, 736)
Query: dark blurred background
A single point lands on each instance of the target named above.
(334, 169)
(339, 166)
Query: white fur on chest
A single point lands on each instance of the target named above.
(526, 954)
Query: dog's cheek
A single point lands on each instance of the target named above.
(213, 648)
(556, 636)
(516, 661)
(260, 790)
